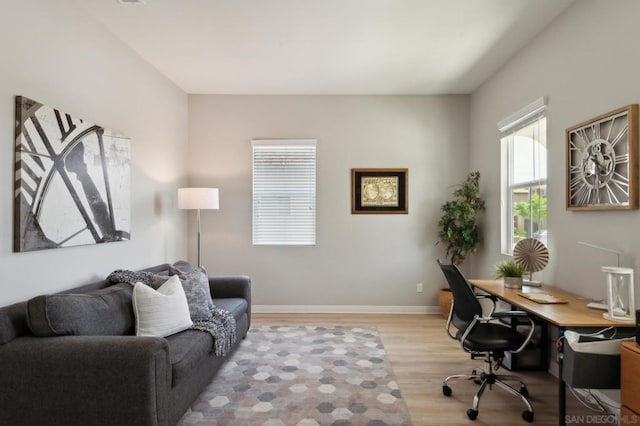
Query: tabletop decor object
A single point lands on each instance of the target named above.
(620, 302)
(379, 191)
(620, 295)
(602, 162)
(533, 255)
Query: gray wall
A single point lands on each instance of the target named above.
(587, 62)
(359, 259)
(53, 53)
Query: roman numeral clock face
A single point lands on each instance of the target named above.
(602, 162)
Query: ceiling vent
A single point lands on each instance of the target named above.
(132, 1)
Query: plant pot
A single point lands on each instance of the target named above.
(513, 282)
(445, 299)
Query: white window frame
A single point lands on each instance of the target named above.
(284, 197)
(508, 127)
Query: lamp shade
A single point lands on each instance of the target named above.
(198, 199)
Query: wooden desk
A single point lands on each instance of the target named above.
(573, 314)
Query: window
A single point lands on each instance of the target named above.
(284, 192)
(524, 175)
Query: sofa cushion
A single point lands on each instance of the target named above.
(182, 266)
(186, 350)
(236, 305)
(195, 282)
(160, 312)
(104, 312)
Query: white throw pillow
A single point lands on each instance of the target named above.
(161, 312)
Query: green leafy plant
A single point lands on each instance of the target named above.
(509, 268)
(459, 222)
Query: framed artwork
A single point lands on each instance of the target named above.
(72, 180)
(602, 162)
(379, 191)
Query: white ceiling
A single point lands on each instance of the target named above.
(326, 46)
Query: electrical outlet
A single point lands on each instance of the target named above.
(419, 287)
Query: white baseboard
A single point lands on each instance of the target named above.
(343, 309)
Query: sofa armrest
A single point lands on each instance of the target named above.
(73, 380)
(232, 286)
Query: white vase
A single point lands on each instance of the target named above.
(513, 282)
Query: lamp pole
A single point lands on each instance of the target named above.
(199, 259)
(198, 199)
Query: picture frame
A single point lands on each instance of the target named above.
(602, 162)
(379, 191)
(71, 180)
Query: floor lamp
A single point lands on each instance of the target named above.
(198, 199)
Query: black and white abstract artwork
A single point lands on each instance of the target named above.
(72, 180)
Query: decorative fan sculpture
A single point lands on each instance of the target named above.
(533, 255)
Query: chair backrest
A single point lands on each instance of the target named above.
(465, 302)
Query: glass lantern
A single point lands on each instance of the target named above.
(620, 296)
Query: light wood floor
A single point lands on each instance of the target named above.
(422, 355)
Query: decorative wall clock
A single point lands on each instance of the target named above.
(602, 162)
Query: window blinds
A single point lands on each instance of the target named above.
(284, 192)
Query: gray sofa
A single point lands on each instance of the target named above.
(110, 379)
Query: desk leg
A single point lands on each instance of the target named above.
(562, 386)
(562, 402)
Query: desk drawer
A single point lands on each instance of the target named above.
(630, 376)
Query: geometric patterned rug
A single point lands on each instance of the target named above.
(303, 376)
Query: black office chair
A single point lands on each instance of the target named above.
(489, 336)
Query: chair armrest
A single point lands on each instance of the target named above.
(492, 298)
(518, 314)
(510, 314)
(97, 380)
(498, 316)
(486, 296)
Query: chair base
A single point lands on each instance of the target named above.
(489, 378)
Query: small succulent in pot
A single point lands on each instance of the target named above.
(509, 268)
(511, 272)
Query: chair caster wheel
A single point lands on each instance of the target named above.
(524, 391)
(527, 416)
(472, 414)
(446, 390)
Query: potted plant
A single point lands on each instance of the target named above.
(511, 272)
(459, 227)
(459, 222)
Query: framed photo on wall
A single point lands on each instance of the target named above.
(72, 180)
(375, 191)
